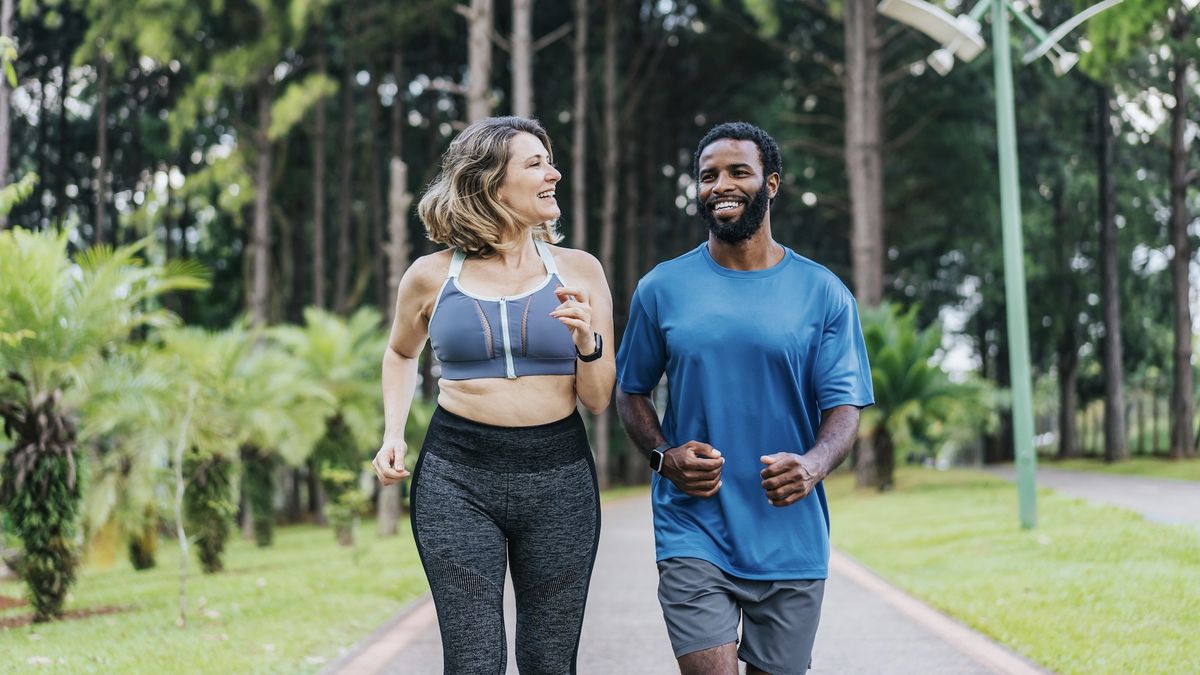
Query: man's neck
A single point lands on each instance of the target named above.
(759, 252)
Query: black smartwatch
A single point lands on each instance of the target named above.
(657, 455)
(594, 355)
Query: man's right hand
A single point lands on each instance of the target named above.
(389, 462)
(694, 467)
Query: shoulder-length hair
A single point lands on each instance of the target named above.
(461, 208)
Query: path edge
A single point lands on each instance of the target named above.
(976, 645)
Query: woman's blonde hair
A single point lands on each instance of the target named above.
(461, 208)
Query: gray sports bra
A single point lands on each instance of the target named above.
(478, 336)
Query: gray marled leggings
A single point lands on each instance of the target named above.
(485, 496)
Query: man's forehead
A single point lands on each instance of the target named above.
(730, 151)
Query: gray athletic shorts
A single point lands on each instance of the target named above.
(702, 605)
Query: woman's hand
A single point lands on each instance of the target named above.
(575, 313)
(389, 462)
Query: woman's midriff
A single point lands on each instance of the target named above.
(525, 401)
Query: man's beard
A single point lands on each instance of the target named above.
(743, 228)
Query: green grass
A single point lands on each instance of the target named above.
(285, 609)
(1093, 589)
(1155, 467)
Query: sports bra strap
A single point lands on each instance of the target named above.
(547, 258)
(456, 263)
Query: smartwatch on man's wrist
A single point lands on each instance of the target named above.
(657, 455)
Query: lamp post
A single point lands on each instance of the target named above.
(960, 37)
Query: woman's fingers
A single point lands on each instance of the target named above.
(576, 293)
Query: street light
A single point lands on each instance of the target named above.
(960, 37)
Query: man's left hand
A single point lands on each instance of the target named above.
(788, 478)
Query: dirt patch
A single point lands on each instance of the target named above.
(71, 615)
(8, 603)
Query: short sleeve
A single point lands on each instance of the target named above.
(843, 373)
(642, 358)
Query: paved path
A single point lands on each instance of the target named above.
(1162, 500)
(867, 626)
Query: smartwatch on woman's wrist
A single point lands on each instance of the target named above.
(595, 354)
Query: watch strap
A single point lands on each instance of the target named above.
(588, 358)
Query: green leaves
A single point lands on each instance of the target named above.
(296, 101)
(916, 403)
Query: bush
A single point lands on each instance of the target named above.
(208, 507)
(39, 489)
(258, 485)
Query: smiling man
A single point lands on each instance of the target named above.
(766, 370)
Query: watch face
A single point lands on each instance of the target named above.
(656, 460)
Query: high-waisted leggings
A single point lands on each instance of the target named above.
(484, 497)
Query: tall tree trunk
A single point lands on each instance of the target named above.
(1155, 414)
(399, 198)
(261, 242)
(6, 11)
(1140, 414)
(374, 155)
(608, 224)
(522, 58)
(1068, 376)
(341, 290)
(579, 108)
(98, 236)
(864, 169)
(479, 61)
(1115, 448)
(1182, 404)
(864, 150)
(318, 189)
(1068, 339)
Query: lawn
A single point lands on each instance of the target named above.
(1155, 467)
(289, 608)
(1093, 589)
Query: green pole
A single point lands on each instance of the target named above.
(1014, 269)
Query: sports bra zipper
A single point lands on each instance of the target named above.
(509, 371)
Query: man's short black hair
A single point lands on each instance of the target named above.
(768, 149)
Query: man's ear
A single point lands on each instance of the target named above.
(772, 185)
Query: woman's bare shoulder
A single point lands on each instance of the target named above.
(576, 260)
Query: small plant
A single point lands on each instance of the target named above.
(258, 484)
(209, 507)
(346, 504)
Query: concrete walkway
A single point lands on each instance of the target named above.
(1162, 500)
(867, 626)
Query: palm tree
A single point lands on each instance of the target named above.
(61, 316)
(251, 401)
(916, 403)
(342, 355)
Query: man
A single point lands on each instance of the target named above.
(766, 370)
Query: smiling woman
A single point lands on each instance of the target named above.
(505, 479)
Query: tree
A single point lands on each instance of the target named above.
(8, 54)
(916, 404)
(106, 293)
(479, 60)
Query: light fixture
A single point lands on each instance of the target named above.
(1062, 60)
(1051, 40)
(942, 61)
(959, 35)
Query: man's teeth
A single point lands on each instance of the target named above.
(547, 193)
(722, 206)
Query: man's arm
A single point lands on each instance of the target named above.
(694, 467)
(641, 421)
(789, 477)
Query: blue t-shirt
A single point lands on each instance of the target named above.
(751, 358)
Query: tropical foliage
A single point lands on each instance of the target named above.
(918, 408)
(67, 315)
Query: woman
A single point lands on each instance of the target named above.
(522, 329)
